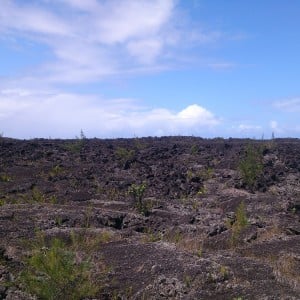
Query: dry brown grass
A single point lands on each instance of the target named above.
(286, 270)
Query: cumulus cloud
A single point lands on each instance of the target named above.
(86, 42)
(25, 115)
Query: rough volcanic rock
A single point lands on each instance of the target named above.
(197, 231)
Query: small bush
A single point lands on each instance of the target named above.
(137, 191)
(124, 154)
(251, 166)
(53, 273)
(194, 149)
(5, 178)
(55, 171)
(76, 146)
(241, 222)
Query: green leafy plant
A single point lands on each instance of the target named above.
(137, 192)
(52, 272)
(251, 166)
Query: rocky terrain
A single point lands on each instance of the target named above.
(154, 218)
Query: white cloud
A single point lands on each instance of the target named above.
(92, 39)
(273, 125)
(222, 66)
(288, 105)
(63, 115)
(146, 51)
(118, 21)
(277, 129)
(86, 5)
(247, 127)
(31, 19)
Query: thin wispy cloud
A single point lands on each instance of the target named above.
(222, 65)
(288, 105)
(247, 127)
(90, 40)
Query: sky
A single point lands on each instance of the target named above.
(133, 68)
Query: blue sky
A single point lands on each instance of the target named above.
(125, 68)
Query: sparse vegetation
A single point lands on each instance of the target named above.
(137, 192)
(53, 272)
(200, 176)
(187, 281)
(77, 145)
(224, 272)
(152, 236)
(88, 216)
(251, 166)
(240, 222)
(194, 149)
(124, 154)
(5, 178)
(35, 196)
(202, 191)
(55, 171)
(174, 236)
(140, 229)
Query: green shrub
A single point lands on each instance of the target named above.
(251, 166)
(37, 196)
(76, 146)
(124, 154)
(241, 222)
(194, 149)
(137, 191)
(53, 273)
(55, 171)
(5, 178)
